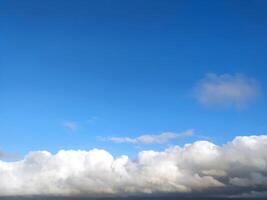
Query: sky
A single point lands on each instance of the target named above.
(131, 77)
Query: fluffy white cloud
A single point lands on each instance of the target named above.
(149, 139)
(226, 89)
(197, 167)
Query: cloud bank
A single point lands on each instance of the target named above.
(226, 89)
(150, 139)
(239, 166)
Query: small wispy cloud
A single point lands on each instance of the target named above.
(150, 139)
(226, 89)
(70, 125)
(92, 119)
(8, 155)
(2, 154)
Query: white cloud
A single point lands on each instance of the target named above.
(226, 89)
(70, 125)
(149, 139)
(198, 167)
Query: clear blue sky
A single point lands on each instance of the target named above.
(125, 68)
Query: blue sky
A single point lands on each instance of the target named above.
(75, 73)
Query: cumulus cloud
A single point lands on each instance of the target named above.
(149, 139)
(70, 125)
(240, 165)
(226, 89)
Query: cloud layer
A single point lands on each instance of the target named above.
(150, 139)
(226, 89)
(198, 167)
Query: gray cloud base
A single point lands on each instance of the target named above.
(198, 167)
